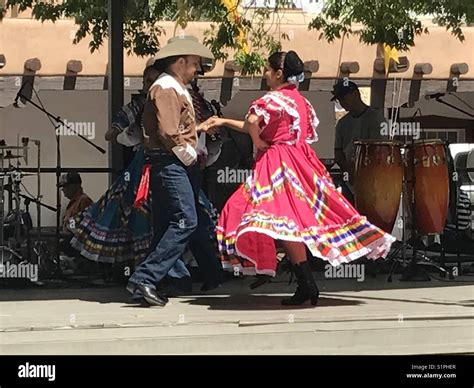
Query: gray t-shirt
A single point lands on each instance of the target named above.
(349, 129)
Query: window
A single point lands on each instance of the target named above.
(449, 135)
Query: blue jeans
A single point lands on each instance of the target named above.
(178, 222)
(179, 270)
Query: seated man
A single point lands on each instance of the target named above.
(459, 220)
(457, 236)
(71, 184)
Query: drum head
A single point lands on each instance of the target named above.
(430, 142)
(379, 142)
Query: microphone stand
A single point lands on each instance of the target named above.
(57, 123)
(34, 200)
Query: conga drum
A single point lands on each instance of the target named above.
(430, 186)
(378, 179)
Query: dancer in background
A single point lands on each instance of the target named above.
(113, 230)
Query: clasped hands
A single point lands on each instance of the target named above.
(211, 125)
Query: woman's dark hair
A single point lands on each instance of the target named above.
(293, 65)
(163, 64)
(289, 62)
(276, 60)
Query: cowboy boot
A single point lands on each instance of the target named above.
(306, 290)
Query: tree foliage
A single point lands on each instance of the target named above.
(396, 22)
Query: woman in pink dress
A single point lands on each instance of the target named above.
(290, 197)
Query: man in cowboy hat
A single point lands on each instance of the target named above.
(170, 140)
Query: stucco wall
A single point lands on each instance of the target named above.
(21, 39)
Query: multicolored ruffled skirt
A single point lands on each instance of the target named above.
(290, 196)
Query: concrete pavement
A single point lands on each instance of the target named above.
(370, 317)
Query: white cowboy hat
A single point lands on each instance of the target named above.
(184, 45)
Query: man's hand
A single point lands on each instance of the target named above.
(203, 127)
(211, 125)
(215, 121)
(186, 154)
(111, 134)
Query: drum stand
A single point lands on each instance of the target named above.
(8, 250)
(56, 121)
(415, 268)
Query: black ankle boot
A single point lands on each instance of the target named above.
(306, 290)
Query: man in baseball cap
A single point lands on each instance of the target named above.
(342, 88)
(71, 185)
(70, 178)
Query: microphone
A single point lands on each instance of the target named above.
(435, 95)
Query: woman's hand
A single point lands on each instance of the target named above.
(215, 122)
(211, 125)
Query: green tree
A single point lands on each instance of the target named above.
(395, 22)
(262, 38)
(141, 20)
(143, 33)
